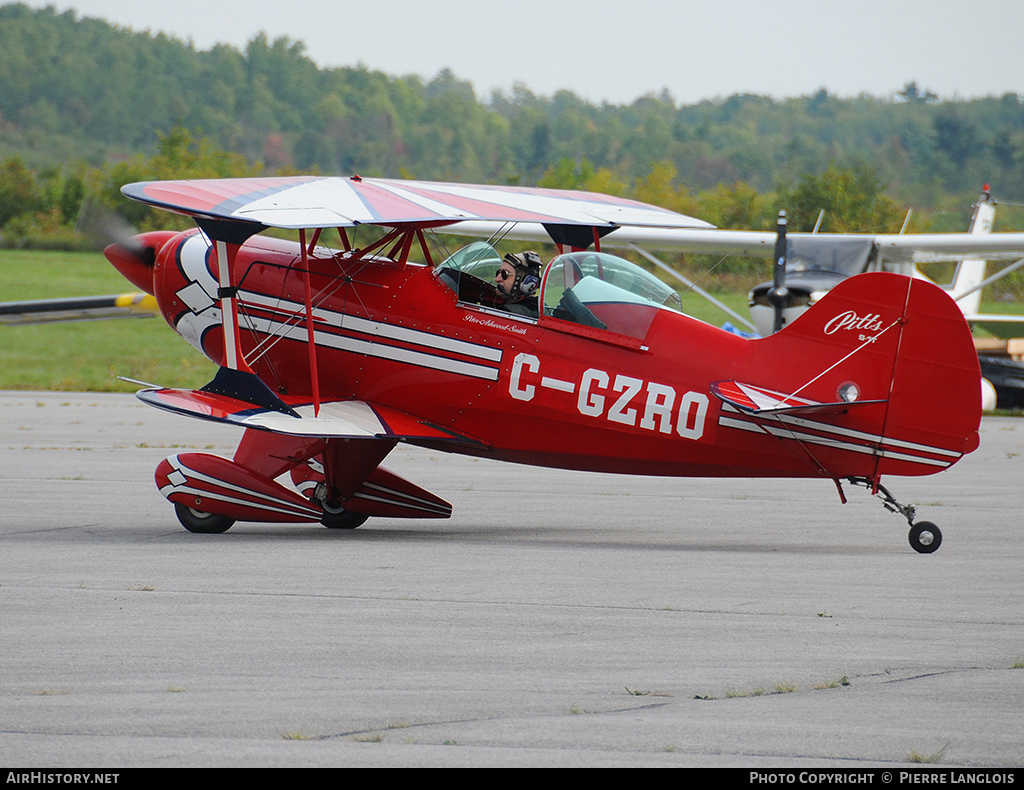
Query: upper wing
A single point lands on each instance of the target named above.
(325, 202)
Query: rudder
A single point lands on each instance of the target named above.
(888, 338)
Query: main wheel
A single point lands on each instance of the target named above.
(925, 537)
(205, 523)
(343, 519)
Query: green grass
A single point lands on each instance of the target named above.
(698, 307)
(90, 355)
(32, 274)
(86, 355)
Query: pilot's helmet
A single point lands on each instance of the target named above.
(527, 265)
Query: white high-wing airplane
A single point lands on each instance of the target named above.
(969, 279)
(817, 262)
(814, 265)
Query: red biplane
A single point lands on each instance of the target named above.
(330, 357)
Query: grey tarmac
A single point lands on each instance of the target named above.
(557, 619)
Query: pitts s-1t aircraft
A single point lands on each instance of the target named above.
(330, 357)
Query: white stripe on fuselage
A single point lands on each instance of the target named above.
(838, 438)
(378, 334)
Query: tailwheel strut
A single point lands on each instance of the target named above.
(924, 536)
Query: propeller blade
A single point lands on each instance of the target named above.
(778, 297)
(105, 227)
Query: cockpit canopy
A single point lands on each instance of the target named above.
(604, 291)
(478, 259)
(594, 289)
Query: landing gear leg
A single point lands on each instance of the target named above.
(924, 536)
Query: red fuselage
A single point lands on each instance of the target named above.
(552, 392)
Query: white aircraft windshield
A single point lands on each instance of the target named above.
(606, 292)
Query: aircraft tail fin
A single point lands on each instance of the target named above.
(896, 350)
(970, 273)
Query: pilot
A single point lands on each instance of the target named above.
(518, 279)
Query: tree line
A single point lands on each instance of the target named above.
(86, 106)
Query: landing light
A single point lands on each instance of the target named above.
(848, 392)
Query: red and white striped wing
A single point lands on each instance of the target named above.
(324, 202)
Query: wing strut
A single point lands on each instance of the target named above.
(233, 358)
(227, 238)
(310, 332)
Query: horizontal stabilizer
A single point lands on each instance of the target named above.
(766, 403)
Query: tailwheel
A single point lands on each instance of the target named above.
(204, 523)
(925, 537)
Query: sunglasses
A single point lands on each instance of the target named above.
(503, 275)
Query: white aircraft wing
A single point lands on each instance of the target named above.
(931, 247)
(996, 324)
(893, 247)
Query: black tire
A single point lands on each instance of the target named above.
(345, 519)
(925, 537)
(202, 523)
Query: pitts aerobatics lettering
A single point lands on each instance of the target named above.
(850, 321)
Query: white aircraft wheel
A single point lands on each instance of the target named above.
(925, 537)
(204, 523)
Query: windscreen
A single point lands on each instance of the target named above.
(604, 291)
